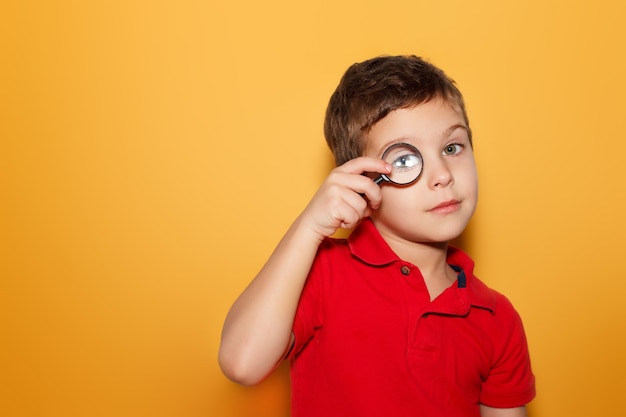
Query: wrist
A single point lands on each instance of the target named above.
(306, 230)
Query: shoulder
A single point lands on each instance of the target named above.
(332, 255)
(332, 249)
(480, 294)
(500, 324)
(486, 297)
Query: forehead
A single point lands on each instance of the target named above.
(431, 121)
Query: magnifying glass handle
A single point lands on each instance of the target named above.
(379, 179)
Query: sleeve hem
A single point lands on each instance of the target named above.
(508, 401)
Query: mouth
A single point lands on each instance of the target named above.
(446, 207)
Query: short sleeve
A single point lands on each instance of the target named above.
(510, 382)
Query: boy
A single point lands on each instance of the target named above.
(390, 321)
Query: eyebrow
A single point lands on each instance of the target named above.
(452, 128)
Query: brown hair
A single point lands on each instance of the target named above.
(370, 90)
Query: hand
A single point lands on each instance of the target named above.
(345, 197)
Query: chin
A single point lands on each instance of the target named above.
(434, 233)
(443, 236)
(435, 238)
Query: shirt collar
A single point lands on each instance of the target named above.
(366, 244)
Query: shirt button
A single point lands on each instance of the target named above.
(405, 270)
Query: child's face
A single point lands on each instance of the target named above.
(437, 207)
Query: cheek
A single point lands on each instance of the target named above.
(470, 187)
(398, 212)
(475, 184)
(468, 176)
(399, 201)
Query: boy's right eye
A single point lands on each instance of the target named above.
(406, 161)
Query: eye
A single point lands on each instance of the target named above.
(406, 161)
(452, 149)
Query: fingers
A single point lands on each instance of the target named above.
(365, 186)
(349, 208)
(365, 164)
(346, 196)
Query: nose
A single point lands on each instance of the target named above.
(438, 173)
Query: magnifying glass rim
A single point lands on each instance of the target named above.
(417, 152)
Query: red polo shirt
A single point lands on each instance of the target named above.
(369, 342)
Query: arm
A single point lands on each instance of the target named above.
(258, 328)
(502, 412)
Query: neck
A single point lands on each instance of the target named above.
(430, 258)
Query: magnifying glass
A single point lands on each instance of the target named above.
(406, 163)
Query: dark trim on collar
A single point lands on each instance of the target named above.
(461, 279)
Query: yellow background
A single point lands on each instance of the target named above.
(153, 153)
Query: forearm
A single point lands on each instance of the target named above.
(502, 412)
(258, 328)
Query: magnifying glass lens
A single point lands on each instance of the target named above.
(406, 162)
